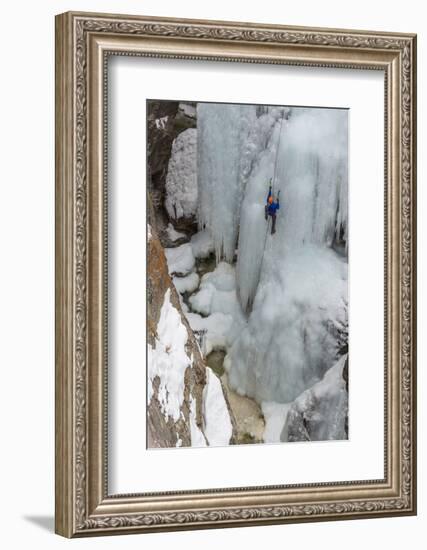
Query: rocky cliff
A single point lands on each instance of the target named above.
(180, 386)
(166, 120)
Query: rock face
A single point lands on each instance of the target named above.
(321, 412)
(165, 121)
(178, 409)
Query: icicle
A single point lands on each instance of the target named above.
(224, 162)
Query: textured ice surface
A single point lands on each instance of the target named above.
(217, 294)
(181, 179)
(320, 412)
(311, 175)
(275, 417)
(289, 341)
(202, 244)
(216, 309)
(224, 162)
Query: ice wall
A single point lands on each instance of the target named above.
(227, 148)
(311, 175)
(293, 285)
(289, 341)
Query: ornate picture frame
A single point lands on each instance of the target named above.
(83, 44)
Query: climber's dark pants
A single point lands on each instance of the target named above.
(273, 220)
(273, 223)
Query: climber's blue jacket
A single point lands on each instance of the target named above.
(272, 205)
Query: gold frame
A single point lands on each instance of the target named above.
(83, 43)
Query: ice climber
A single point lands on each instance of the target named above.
(271, 208)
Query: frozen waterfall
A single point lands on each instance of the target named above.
(311, 176)
(230, 138)
(293, 285)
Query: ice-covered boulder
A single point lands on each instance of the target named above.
(189, 283)
(187, 110)
(321, 412)
(181, 179)
(217, 294)
(180, 259)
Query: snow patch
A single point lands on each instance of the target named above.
(218, 427)
(168, 360)
(217, 292)
(186, 284)
(180, 259)
(218, 327)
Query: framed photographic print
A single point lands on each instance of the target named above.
(235, 274)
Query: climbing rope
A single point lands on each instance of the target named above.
(273, 181)
(277, 156)
(266, 235)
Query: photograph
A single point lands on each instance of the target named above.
(247, 274)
